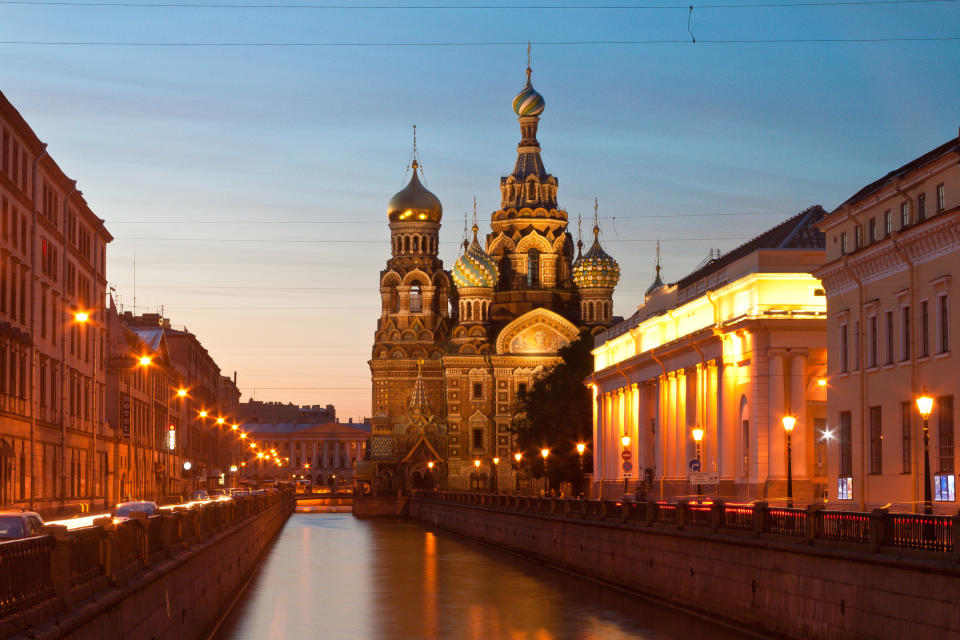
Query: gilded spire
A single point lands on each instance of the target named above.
(657, 281)
(418, 398)
(475, 226)
(596, 220)
(579, 235)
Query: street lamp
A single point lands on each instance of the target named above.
(925, 407)
(545, 452)
(789, 422)
(625, 441)
(697, 437)
(581, 447)
(181, 393)
(496, 480)
(517, 458)
(476, 465)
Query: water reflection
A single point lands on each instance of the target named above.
(332, 576)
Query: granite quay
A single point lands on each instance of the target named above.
(171, 575)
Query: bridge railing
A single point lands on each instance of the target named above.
(48, 573)
(872, 531)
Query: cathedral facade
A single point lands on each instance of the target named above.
(453, 349)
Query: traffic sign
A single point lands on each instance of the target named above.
(626, 455)
(704, 477)
(627, 466)
(694, 465)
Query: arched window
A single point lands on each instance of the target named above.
(533, 268)
(505, 281)
(416, 299)
(416, 244)
(406, 244)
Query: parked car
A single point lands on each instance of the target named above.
(199, 496)
(168, 500)
(125, 509)
(16, 523)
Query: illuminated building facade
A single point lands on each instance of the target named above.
(730, 350)
(892, 249)
(54, 444)
(454, 348)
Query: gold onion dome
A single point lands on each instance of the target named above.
(528, 102)
(596, 268)
(474, 268)
(414, 203)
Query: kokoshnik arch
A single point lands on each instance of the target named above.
(453, 348)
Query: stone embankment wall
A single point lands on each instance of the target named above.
(380, 506)
(757, 582)
(169, 577)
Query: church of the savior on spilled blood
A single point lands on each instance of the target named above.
(453, 349)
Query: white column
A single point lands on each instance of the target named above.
(598, 442)
(326, 454)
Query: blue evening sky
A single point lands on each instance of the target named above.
(251, 182)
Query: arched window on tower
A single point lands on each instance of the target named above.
(505, 267)
(416, 244)
(416, 299)
(533, 268)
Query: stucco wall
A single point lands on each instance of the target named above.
(768, 586)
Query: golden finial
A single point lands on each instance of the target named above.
(658, 258)
(579, 234)
(529, 70)
(465, 242)
(419, 365)
(475, 227)
(596, 219)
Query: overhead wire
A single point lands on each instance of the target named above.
(463, 7)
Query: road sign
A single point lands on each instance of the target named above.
(694, 465)
(626, 455)
(704, 477)
(627, 466)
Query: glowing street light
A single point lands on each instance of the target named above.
(145, 361)
(821, 382)
(789, 422)
(545, 454)
(697, 437)
(187, 465)
(925, 407)
(81, 316)
(581, 447)
(221, 420)
(203, 413)
(625, 441)
(181, 393)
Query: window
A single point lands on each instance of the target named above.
(921, 207)
(521, 388)
(904, 215)
(940, 198)
(819, 448)
(477, 441)
(846, 443)
(887, 222)
(416, 299)
(876, 440)
(889, 319)
(905, 333)
(906, 413)
(533, 268)
(944, 324)
(843, 349)
(843, 243)
(845, 488)
(873, 229)
(944, 488)
(857, 237)
(856, 345)
(745, 435)
(945, 433)
(924, 329)
(477, 390)
(873, 341)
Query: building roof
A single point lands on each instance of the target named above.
(951, 146)
(797, 232)
(356, 429)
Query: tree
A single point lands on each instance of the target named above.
(556, 413)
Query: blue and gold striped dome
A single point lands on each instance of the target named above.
(596, 268)
(528, 102)
(474, 268)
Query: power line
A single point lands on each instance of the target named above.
(119, 43)
(383, 222)
(347, 241)
(341, 7)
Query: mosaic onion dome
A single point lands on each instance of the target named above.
(474, 268)
(528, 102)
(414, 203)
(596, 269)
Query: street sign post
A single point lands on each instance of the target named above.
(626, 455)
(704, 477)
(694, 465)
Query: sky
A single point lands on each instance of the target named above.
(243, 156)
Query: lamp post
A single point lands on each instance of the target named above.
(789, 422)
(430, 471)
(697, 437)
(581, 447)
(495, 469)
(476, 465)
(517, 458)
(545, 453)
(625, 441)
(925, 407)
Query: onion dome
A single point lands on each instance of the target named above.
(414, 203)
(474, 268)
(528, 102)
(596, 269)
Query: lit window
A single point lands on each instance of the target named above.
(844, 488)
(944, 488)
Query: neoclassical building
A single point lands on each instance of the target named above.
(453, 348)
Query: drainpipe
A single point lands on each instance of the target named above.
(914, 310)
(34, 357)
(663, 367)
(63, 347)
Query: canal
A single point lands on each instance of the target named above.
(331, 576)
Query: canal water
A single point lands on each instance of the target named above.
(329, 576)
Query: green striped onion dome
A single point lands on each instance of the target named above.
(596, 269)
(528, 102)
(474, 268)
